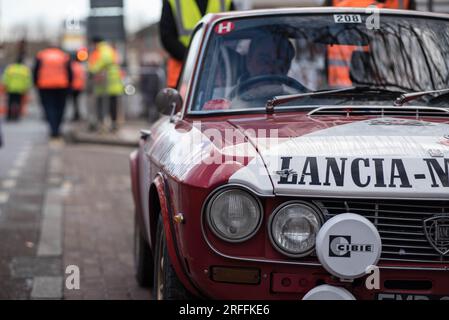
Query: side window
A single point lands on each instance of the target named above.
(189, 64)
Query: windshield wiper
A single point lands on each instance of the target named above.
(407, 97)
(278, 100)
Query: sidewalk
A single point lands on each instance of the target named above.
(99, 222)
(66, 205)
(127, 136)
(30, 212)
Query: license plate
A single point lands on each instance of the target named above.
(408, 297)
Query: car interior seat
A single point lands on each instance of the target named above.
(362, 69)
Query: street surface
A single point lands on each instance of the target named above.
(61, 205)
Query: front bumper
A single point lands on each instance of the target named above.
(293, 282)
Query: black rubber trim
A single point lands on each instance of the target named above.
(139, 213)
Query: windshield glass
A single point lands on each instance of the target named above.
(250, 60)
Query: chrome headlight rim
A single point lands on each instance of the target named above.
(315, 209)
(219, 191)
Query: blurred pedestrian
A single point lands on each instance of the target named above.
(151, 81)
(108, 81)
(52, 75)
(178, 19)
(17, 82)
(78, 85)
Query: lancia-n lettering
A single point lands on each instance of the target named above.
(335, 168)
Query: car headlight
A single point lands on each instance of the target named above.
(234, 215)
(293, 228)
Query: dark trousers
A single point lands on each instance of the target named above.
(14, 105)
(150, 83)
(113, 108)
(53, 101)
(109, 103)
(76, 109)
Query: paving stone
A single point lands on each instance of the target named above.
(17, 289)
(47, 288)
(97, 208)
(27, 267)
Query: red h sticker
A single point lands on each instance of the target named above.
(224, 27)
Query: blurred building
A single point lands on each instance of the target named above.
(145, 43)
(146, 61)
(145, 49)
(106, 20)
(74, 36)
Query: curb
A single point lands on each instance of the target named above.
(73, 136)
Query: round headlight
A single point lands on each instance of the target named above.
(234, 215)
(293, 228)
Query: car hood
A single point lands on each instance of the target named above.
(363, 158)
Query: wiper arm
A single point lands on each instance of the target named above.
(278, 100)
(407, 97)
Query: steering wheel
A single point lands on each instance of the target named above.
(281, 79)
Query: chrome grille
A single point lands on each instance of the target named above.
(400, 225)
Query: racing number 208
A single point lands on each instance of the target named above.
(347, 18)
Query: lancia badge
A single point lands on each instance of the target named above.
(437, 233)
(285, 173)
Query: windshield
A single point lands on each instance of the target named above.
(250, 60)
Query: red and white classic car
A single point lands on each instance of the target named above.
(269, 179)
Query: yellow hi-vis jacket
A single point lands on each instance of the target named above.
(187, 15)
(106, 70)
(17, 78)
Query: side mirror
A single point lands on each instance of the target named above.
(168, 101)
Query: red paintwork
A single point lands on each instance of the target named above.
(171, 245)
(187, 193)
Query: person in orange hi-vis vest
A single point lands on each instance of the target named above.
(78, 85)
(339, 56)
(52, 76)
(177, 23)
